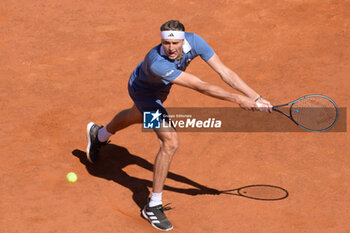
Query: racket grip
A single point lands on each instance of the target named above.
(263, 107)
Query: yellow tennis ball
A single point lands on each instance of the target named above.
(72, 177)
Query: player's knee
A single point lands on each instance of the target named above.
(171, 142)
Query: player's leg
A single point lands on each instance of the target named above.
(154, 210)
(169, 143)
(97, 135)
(124, 119)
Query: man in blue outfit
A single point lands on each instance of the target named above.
(149, 86)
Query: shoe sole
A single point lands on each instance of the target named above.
(88, 127)
(146, 217)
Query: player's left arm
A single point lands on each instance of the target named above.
(233, 80)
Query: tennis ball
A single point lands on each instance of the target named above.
(72, 177)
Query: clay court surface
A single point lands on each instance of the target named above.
(66, 63)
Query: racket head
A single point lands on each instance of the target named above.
(315, 113)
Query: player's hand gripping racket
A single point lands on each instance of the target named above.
(314, 113)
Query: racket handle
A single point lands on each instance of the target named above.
(260, 106)
(263, 107)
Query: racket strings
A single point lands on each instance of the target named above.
(315, 113)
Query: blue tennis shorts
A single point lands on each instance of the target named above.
(147, 101)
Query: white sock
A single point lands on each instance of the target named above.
(156, 199)
(103, 134)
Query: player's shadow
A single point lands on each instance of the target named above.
(110, 166)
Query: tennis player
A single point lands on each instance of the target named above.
(149, 86)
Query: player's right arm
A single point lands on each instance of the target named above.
(190, 81)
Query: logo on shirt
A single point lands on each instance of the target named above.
(169, 73)
(151, 120)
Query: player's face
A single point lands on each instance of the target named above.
(173, 48)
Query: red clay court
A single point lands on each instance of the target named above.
(66, 63)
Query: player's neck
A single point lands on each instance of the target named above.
(179, 58)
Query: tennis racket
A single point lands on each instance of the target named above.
(315, 113)
(261, 192)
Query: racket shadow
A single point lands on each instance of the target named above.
(261, 192)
